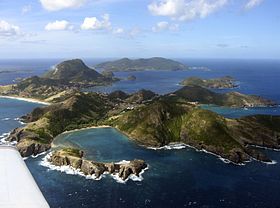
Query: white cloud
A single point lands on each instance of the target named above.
(118, 31)
(59, 25)
(26, 9)
(92, 23)
(252, 3)
(9, 30)
(55, 5)
(163, 26)
(185, 10)
(134, 32)
(126, 33)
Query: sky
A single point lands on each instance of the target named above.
(140, 28)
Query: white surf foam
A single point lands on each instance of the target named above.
(6, 119)
(273, 162)
(266, 148)
(218, 156)
(20, 121)
(3, 138)
(171, 146)
(177, 146)
(132, 177)
(42, 153)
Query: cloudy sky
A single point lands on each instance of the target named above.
(140, 28)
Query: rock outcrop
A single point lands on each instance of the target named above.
(28, 143)
(75, 159)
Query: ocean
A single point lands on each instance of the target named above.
(175, 178)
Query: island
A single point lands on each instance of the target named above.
(226, 82)
(156, 63)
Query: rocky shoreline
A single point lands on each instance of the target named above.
(27, 147)
(75, 159)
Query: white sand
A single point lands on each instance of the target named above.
(30, 100)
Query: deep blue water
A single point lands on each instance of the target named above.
(176, 178)
(239, 112)
(255, 77)
(10, 111)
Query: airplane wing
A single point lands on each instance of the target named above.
(17, 186)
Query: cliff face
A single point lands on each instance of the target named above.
(74, 158)
(30, 142)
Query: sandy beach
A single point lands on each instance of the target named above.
(31, 100)
(87, 128)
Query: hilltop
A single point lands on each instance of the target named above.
(73, 71)
(155, 63)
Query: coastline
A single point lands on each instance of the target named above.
(178, 146)
(86, 128)
(30, 100)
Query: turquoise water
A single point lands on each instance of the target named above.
(176, 178)
(104, 145)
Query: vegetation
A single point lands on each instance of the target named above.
(147, 118)
(218, 83)
(208, 128)
(71, 152)
(67, 76)
(73, 71)
(231, 99)
(156, 63)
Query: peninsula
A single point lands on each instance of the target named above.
(155, 121)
